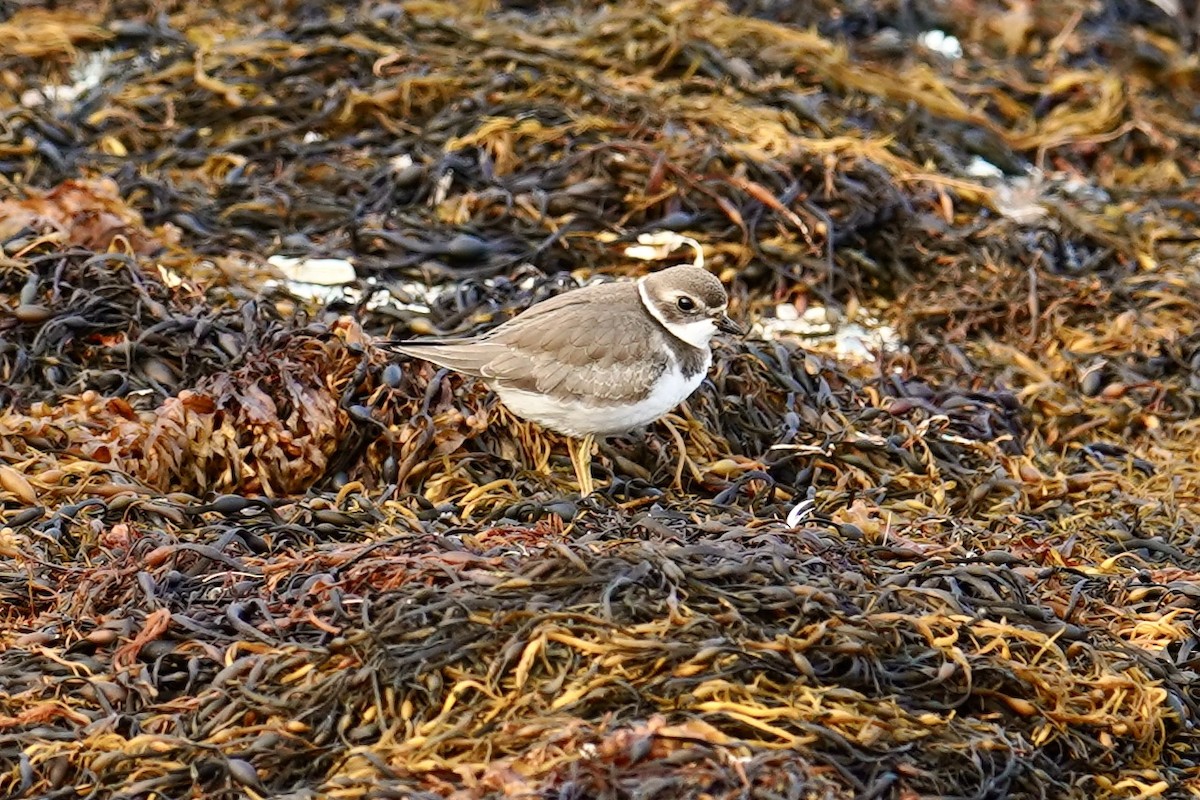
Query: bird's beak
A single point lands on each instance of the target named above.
(726, 325)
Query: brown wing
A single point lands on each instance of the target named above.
(470, 354)
(596, 342)
(592, 342)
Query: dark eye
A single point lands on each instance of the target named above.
(686, 304)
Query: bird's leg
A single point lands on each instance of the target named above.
(581, 459)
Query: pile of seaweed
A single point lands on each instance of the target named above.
(932, 530)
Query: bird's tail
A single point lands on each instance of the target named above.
(467, 356)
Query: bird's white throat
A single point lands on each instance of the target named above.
(697, 333)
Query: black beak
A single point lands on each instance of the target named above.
(726, 325)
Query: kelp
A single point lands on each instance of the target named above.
(246, 552)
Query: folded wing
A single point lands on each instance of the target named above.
(596, 343)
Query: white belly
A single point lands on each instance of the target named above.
(576, 417)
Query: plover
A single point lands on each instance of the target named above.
(596, 361)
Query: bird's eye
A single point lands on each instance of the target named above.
(686, 304)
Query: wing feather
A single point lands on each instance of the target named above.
(468, 356)
(602, 346)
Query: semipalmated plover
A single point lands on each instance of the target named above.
(596, 361)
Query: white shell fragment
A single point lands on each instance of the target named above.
(321, 271)
(88, 72)
(800, 512)
(941, 43)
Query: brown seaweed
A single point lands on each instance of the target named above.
(243, 552)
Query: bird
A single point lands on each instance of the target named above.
(596, 361)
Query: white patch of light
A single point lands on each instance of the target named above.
(857, 340)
